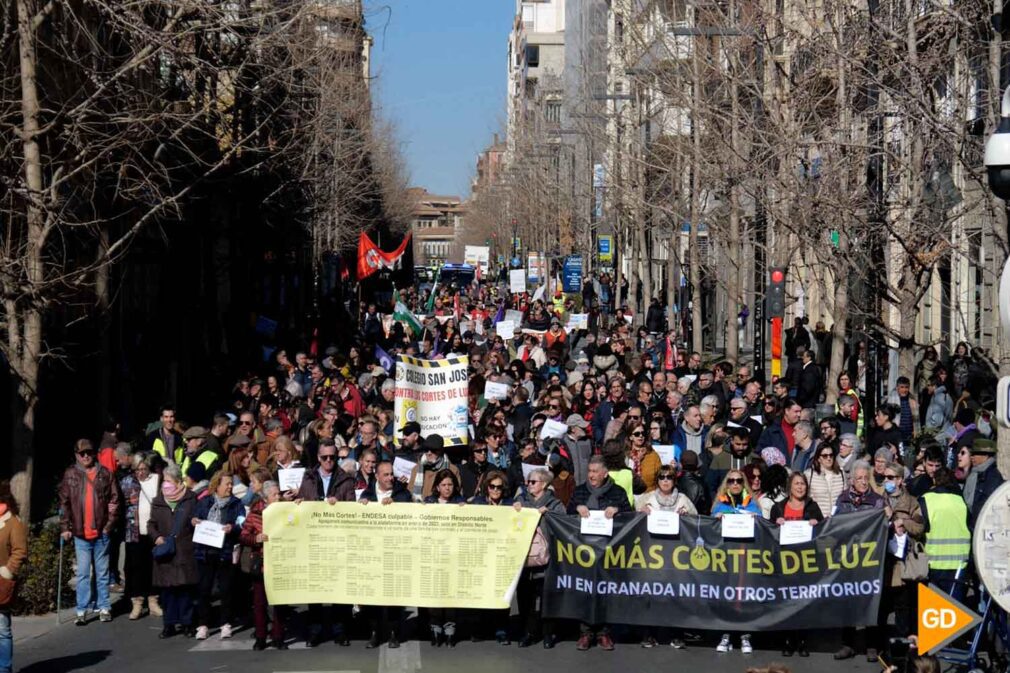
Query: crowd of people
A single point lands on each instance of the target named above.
(727, 443)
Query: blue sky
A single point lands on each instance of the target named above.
(440, 69)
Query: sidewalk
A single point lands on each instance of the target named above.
(30, 628)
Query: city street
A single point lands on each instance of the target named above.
(125, 645)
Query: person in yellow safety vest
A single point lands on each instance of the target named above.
(845, 389)
(166, 440)
(196, 452)
(558, 303)
(948, 540)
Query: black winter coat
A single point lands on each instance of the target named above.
(614, 496)
(693, 486)
(179, 570)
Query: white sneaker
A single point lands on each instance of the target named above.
(724, 644)
(225, 631)
(745, 644)
(202, 632)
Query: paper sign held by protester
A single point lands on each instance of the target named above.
(577, 321)
(290, 479)
(737, 526)
(667, 452)
(552, 428)
(403, 468)
(597, 523)
(209, 533)
(795, 532)
(664, 523)
(505, 329)
(357, 493)
(517, 281)
(514, 316)
(528, 470)
(495, 391)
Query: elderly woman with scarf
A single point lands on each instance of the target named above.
(176, 574)
(858, 497)
(538, 496)
(140, 488)
(224, 509)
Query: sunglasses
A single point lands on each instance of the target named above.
(826, 455)
(635, 418)
(495, 487)
(480, 450)
(734, 480)
(87, 453)
(638, 433)
(245, 422)
(665, 477)
(329, 457)
(531, 482)
(891, 477)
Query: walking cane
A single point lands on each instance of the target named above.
(59, 582)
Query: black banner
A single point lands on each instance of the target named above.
(698, 580)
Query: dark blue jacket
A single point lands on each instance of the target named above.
(988, 481)
(604, 412)
(774, 436)
(482, 500)
(233, 512)
(400, 493)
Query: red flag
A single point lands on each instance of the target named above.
(455, 306)
(669, 361)
(371, 259)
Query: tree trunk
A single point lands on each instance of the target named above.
(695, 209)
(838, 329)
(24, 327)
(646, 256)
(733, 282)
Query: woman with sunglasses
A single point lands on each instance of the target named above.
(493, 494)
(798, 507)
(645, 462)
(734, 498)
(537, 495)
(825, 477)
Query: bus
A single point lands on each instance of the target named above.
(458, 275)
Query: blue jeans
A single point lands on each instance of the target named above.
(87, 551)
(6, 642)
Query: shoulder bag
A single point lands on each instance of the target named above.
(916, 567)
(166, 550)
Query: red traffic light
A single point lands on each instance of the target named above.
(778, 276)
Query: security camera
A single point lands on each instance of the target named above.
(997, 153)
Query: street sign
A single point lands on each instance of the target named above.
(534, 267)
(605, 248)
(571, 275)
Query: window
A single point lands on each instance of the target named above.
(533, 55)
(552, 111)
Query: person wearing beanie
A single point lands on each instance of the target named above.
(197, 480)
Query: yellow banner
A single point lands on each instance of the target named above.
(435, 556)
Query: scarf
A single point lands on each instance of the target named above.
(856, 498)
(595, 492)
(967, 428)
(971, 483)
(440, 463)
(216, 513)
(173, 492)
(666, 501)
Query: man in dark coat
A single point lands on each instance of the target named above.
(598, 493)
(983, 479)
(810, 385)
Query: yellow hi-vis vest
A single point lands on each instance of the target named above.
(948, 541)
(160, 449)
(206, 456)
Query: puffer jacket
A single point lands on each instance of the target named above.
(71, 495)
(826, 487)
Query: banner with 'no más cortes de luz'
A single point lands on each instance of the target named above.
(696, 579)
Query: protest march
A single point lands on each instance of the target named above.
(568, 475)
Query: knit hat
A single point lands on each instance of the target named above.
(772, 456)
(197, 472)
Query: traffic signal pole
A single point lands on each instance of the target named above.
(775, 300)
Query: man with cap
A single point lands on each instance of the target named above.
(433, 459)
(983, 479)
(965, 434)
(196, 451)
(409, 447)
(579, 445)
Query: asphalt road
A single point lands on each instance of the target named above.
(124, 646)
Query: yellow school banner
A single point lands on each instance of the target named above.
(435, 556)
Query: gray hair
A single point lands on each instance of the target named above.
(268, 486)
(598, 460)
(349, 465)
(846, 401)
(172, 472)
(896, 467)
(857, 446)
(806, 426)
(388, 384)
(883, 452)
(273, 424)
(123, 449)
(860, 465)
(542, 474)
(141, 457)
(708, 403)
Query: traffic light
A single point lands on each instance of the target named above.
(775, 296)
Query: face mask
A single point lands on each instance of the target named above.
(984, 428)
(890, 487)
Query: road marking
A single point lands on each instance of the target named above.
(236, 644)
(404, 659)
